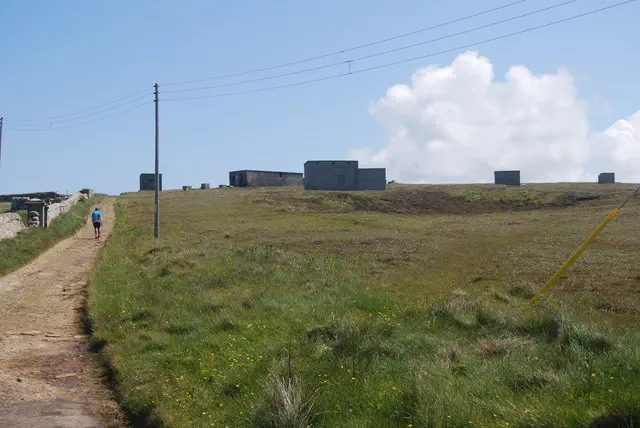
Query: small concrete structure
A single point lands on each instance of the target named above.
(88, 192)
(205, 186)
(251, 178)
(509, 178)
(36, 213)
(148, 182)
(187, 187)
(342, 175)
(607, 178)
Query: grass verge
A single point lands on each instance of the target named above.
(262, 308)
(30, 243)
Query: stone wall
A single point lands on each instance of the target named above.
(62, 207)
(10, 225)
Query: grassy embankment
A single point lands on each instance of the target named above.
(30, 243)
(284, 308)
(5, 207)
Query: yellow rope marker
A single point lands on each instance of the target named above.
(574, 256)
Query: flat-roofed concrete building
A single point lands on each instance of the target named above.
(148, 181)
(342, 175)
(607, 178)
(251, 178)
(509, 178)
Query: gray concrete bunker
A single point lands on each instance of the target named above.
(509, 178)
(342, 175)
(607, 178)
(148, 182)
(252, 178)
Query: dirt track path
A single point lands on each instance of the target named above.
(48, 378)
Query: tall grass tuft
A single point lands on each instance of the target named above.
(286, 405)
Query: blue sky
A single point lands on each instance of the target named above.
(62, 57)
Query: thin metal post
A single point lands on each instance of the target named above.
(156, 232)
(1, 120)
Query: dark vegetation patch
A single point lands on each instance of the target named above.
(429, 199)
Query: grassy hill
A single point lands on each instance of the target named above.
(5, 207)
(405, 308)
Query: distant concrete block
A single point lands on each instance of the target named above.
(342, 175)
(252, 178)
(148, 182)
(37, 212)
(509, 178)
(372, 179)
(205, 186)
(607, 178)
(187, 187)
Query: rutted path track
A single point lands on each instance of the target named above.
(48, 377)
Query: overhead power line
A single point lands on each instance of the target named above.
(53, 118)
(96, 113)
(351, 49)
(377, 54)
(390, 64)
(85, 122)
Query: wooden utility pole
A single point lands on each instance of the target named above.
(1, 120)
(156, 232)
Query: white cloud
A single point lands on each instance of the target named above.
(459, 124)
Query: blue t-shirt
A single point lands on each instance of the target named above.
(96, 217)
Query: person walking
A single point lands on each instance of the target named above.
(96, 218)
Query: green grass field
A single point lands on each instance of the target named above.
(30, 243)
(408, 308)
(5, 207)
